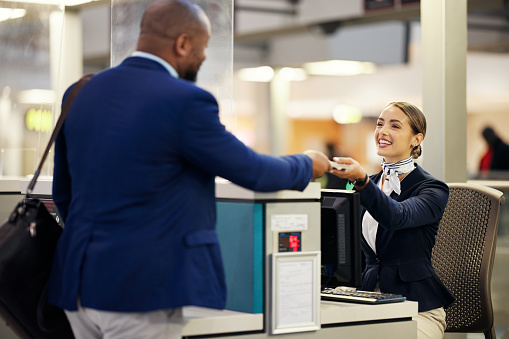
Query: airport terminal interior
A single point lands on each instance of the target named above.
(289, 75)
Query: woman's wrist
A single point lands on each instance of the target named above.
(359, 183)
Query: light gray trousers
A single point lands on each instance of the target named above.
(88, 323)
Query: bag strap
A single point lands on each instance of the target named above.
(65, 109)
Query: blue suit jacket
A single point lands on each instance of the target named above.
(133, 181)
(407, 225)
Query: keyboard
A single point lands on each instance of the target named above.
(355, 296)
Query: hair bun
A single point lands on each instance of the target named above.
(416, 151)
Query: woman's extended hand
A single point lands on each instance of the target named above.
(354, 173)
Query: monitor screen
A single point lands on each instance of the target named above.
(341, 238)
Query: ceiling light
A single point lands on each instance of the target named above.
(11, 13)
(256, 74)
(339, 67)
(293, 74)
(36, 96)
(344, 114)
(55, 2)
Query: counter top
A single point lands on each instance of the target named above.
(43, 186)
(224, 189)
(333, 312)
(205, 321)
(10, 184)
(227, 190)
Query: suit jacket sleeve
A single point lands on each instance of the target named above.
(425, 205)
(208, 146)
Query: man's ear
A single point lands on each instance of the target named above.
(182, 45)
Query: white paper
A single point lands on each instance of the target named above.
(295, 292)
(289, 222)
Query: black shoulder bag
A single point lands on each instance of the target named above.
(28, 241)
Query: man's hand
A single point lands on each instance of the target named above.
(321, 163)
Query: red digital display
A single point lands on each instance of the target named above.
(290, 242)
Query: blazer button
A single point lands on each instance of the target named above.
(377, 261)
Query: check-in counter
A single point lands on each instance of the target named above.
(349, 320)
(251, 228)
(339, 320)
(262, 218)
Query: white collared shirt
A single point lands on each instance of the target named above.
(370, 225)
(155, 58)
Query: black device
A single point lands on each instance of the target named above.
(340, 238)
(363, 297)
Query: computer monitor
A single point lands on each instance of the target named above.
(341, 238)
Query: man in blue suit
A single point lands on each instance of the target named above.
(134, 174)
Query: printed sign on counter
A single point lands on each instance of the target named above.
(295, 293)
(289, 222)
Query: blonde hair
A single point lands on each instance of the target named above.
(417, 122)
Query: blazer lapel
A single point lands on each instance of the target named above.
(382, 235)
(410, 180)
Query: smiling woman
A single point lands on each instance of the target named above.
(399, 132)
(402, 208)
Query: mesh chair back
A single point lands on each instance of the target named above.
(463, 255)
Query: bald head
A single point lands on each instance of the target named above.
(170, 26)
(166, 19)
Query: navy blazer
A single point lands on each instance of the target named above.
(134, 174)
(407, 225)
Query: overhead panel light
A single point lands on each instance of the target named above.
(11, 13)
(36, 96)
(55, 2)
(345, 114)
(256, 74)
(293, 74)
(339, 67)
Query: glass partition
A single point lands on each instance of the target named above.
(216, 73)
(30, 45)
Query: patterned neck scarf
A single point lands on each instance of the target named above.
(392, 171)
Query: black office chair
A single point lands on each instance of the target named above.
(464, 253)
